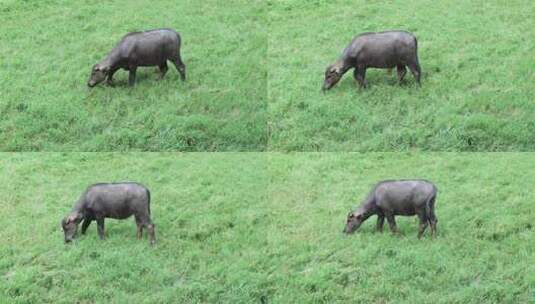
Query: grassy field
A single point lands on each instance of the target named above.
(478, 77)
(49, 46)
(210, 224)
(266, 228)
(254, 74)
(484, 252)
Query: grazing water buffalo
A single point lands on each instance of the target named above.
(397, 197)
(149, 48)
(384, 50)
(114, 200)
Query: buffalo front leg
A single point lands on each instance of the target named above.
(380, 222)
(100, 228)
(392, 223)
(85, 224)
(132, 76)
(360, 74)
(109, 79)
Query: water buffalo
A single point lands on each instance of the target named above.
(149, 48)
(397, 197)
(383, 50)
(110, 200)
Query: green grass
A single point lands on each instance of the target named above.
(49, 46)
(254, 74)
(266, 227)
(484, 252)
(478, 77)
(210, 225)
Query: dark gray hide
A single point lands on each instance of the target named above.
(149, 48)
(397, 197)
(114, 200)
(383, 50)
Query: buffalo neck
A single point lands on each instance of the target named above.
(343, 65)
(79, 207)
(111, 60)
(368, 208)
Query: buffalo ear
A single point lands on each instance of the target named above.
(72, 218)
(330, 70)
(98, 67)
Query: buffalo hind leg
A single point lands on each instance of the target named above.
(433, 223)
(180, 67)
(402, 70)
(152, 234)
(163, 69)
(416, 71)
(432, 217)
(139, 224)
(145, 222)
(423, 223)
